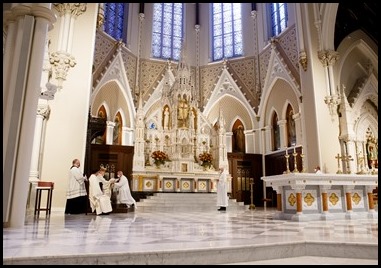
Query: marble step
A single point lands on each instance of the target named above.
(185, 202)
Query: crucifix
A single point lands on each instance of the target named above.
(338, 157)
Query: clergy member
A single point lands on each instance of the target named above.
(99, 201)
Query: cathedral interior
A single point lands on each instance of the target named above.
(170, 92)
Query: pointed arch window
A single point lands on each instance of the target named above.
(115, 23)
(226, 30)
(279, 17)
(167, 30)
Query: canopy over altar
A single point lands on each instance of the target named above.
(176, 147)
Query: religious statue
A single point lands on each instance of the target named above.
(183, 110)
(372, 155)
(239, 139)
(191, 120)
(166, 118)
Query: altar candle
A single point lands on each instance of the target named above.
(294, 150)
(286, 151)
(302, 149)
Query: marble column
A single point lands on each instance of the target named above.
(298, 128)
(279, 202)
(348, 200)
(109, 132)
(23, 91)
(283, 133)
(372, 213)
(324, 198)
(177, 189)
(299, 203)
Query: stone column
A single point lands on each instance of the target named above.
(324, 198)
(299, 216)
(348, 200)
(298, 128)
(127, 136)
(283, 133)
(109, 132)
(177, 186)
(23, 92)
(279, 205)
(42, 113)
(371, 213)
(195, 185)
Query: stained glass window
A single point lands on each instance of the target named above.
(115, 21)
(278, 17)
(167, 30)
(227, 30)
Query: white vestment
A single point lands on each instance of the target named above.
(99, 202)
(222, 191)
(124, 195)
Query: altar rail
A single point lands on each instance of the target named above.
(310, 196)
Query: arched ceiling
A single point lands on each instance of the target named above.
(352, 16)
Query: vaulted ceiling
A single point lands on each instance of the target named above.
(352, 16)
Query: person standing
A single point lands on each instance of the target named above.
(76, 195)
(222, 194)
(123, 187)
(99, 201)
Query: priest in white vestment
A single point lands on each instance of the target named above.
(222, 191)
(124, 193)
(99, 201)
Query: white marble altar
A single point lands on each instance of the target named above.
(311, 196)
(170, 124)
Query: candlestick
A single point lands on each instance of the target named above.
(287, 165)
(295, 163)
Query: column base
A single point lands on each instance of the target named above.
(372, 214)
(350, 215)
(326, 216)
(300, 217)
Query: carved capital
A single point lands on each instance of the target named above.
(43, 109)
(74, 9)
(328, 57)
(61, 62)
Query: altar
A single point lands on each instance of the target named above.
(176, 147)
(311, 196)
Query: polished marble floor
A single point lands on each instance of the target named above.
(210, 237)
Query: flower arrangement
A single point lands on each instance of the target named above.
(159, 157)
(206, 159)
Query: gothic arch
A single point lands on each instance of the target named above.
(328, 13)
